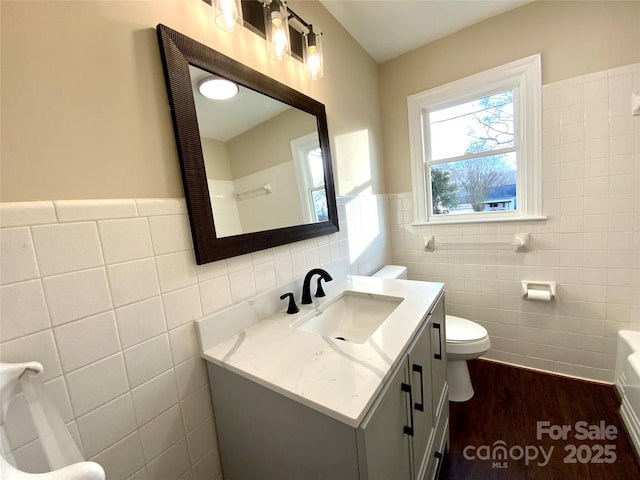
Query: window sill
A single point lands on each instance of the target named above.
(451, 220)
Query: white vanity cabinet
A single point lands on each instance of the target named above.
(396, 433)
(417, 396)
(266, 435)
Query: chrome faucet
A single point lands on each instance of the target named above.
(306, 286)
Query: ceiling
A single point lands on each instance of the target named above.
(388, 28)
(234, 116)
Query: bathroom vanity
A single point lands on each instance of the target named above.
(292, 401)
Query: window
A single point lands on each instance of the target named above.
(310, 174)
(475, 147)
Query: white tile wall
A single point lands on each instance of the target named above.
(17, 255)
(67, 247)
(24, 309)
(105, 293)
(124, 458)
(163, 431)
(105, 426)
(97, 384)
(140, 321)
(154, 397)
(87, 341)
(148, 359)
(173, 463)
(133, 281)
(590, 243)
(124, 240)
(77, 295)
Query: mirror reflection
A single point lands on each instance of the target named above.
(263, 161)
(268, 188)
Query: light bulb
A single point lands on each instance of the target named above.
(228, 15)
(313, 64)
(278, 32)
(280, 41)
(313, 61)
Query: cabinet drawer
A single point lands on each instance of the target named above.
(441, 405)
(441, 443)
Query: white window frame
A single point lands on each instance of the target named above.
(524, 78)
(300, 148)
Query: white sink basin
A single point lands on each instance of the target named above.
(352, 316)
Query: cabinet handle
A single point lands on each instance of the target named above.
(419, 406)
(407, 389)
(439, 458)
(438, 356)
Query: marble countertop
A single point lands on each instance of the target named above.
(337, 378)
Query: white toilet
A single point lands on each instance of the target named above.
(466, 340)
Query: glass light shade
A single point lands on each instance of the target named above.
(228, 14)
(312, 55)
(217, 88)
(277, 23)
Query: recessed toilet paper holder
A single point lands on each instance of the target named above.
(530, 285)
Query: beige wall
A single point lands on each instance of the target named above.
(257, 149)
(216, 159)
(574, 38)
(268, 144)
(84, 104)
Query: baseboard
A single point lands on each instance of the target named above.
(546, 372)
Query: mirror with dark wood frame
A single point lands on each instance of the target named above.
(273, 182)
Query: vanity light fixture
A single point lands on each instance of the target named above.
(228, 14)
(277, 25)
(286, 33)
(312, 54)
(217, 88)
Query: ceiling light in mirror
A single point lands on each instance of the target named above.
(228, 14)
(217, 88)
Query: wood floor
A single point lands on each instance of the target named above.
(507, 406)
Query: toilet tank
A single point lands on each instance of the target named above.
(391, 271)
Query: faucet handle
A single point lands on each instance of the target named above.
(320, 290)
(292, 308)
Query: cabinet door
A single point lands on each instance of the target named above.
(439, 357)
(383, 445)
(420, 374)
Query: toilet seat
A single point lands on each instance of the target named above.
(465, 337)
(463, 330)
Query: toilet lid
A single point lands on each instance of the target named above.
(463, 330)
